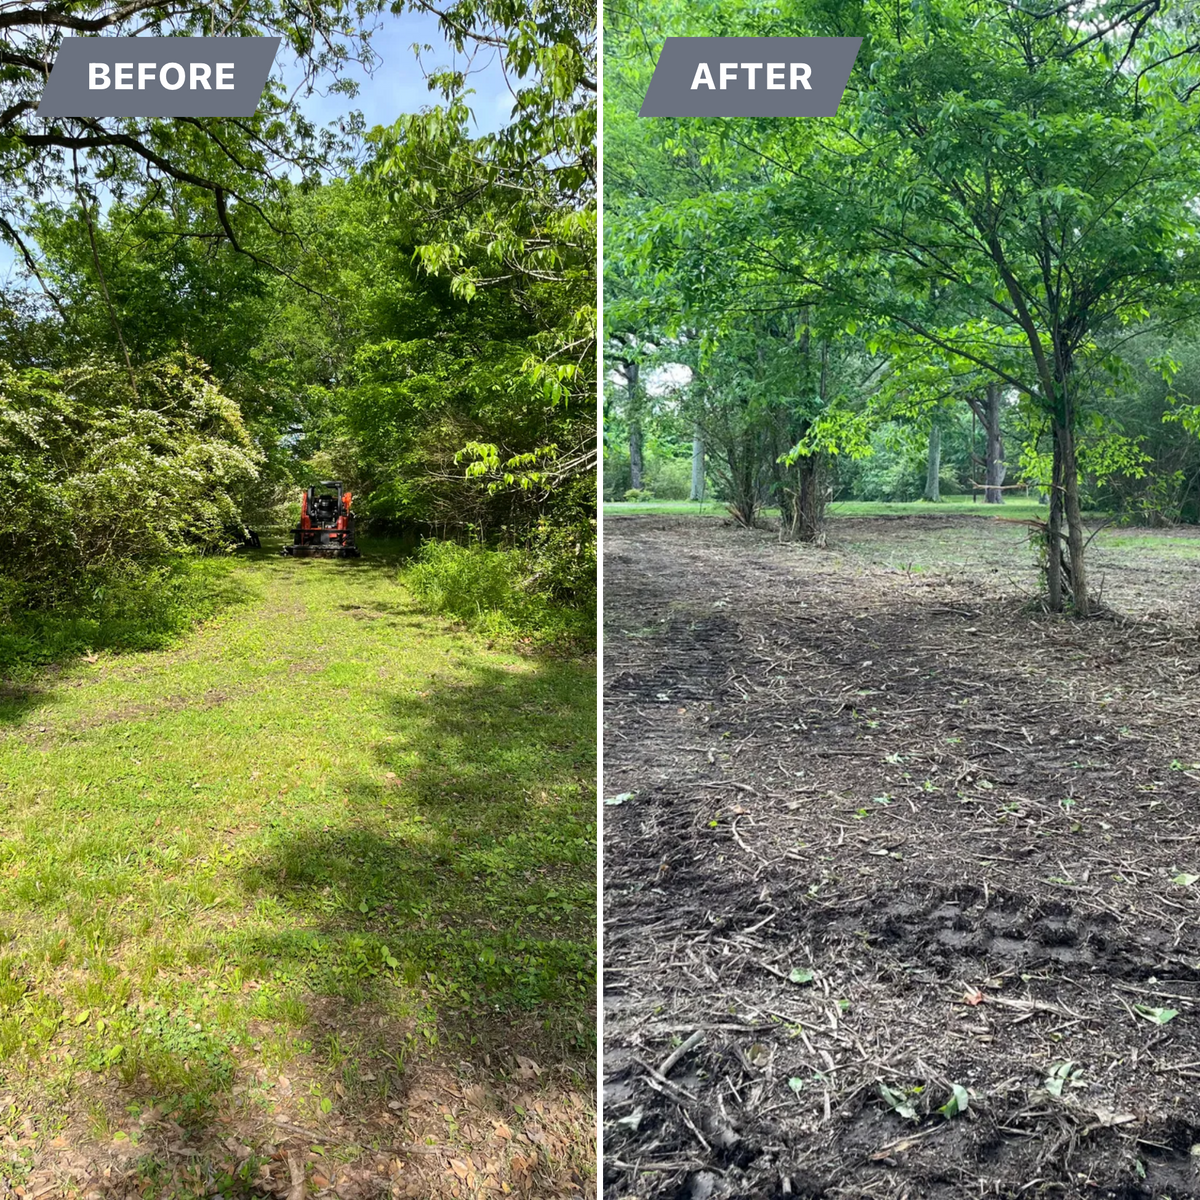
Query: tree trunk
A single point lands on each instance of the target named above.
(635, 457)
(810, 505)
(1054, 572)
(1064, 437)
(802, 492)
(697, 464)
(744, 501)
(933, 465)
(635, 429)
(1065, 574)
(995, 467)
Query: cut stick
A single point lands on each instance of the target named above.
(692, 1042)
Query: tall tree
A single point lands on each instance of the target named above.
(933, 465)
(988, 410)
(516, 209)
(1014, 200)
(236, 169)
(1042, 179)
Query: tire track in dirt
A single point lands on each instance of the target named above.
(922, 796)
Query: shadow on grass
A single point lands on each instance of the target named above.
(463, 873)
(410, 951)
(407, 939)
(374, 553)
(403, 954)
(40, 647)
(20, 697)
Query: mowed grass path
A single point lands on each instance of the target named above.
(324, 850)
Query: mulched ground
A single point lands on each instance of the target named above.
(885, 837)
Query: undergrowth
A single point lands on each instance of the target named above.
(498, 593)
(145, 608)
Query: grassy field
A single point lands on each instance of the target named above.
(1017, 508)
(323, 865)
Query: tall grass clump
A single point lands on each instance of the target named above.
(498, 593)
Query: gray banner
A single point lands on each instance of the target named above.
(750, 77)
(158, 77)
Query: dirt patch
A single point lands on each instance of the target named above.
(517, 1131)
(893, 840)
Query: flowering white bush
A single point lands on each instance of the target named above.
(100, 470)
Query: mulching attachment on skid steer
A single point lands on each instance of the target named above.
(326, 528)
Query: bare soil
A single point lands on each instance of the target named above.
(875, 832)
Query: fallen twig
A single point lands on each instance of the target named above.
(683, 1048)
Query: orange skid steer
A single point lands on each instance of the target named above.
(326, 528)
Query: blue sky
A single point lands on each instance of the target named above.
(395, 86)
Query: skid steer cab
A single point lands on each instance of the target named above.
(326, 528)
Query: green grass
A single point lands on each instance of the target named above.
(1016, 508)
(322, 803)
(709, 508)
(488, 590)
(1156, 542)
(144, 609)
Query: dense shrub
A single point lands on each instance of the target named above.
(561, 564)
(671, 478)
(894, 470)
(99, 477)
(665, 476)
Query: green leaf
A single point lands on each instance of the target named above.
(801, 975)
(1159, 1016)
(1060, 1073)
(898, 1102)
(1184, 879)
(621, 799)
(958, 1103)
